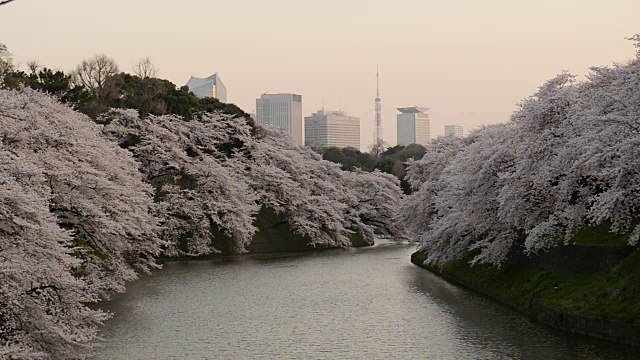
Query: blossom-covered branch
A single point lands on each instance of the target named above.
(568, 159)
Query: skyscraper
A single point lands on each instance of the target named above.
(413, 126)
(281, 111)
(453, 130)
(211, 87)
(332, 128)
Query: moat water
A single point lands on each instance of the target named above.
(366, 303)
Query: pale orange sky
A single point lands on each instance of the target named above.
(469, 61)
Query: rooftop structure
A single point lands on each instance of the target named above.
(211, 87)
(413, 126)
(413, 110)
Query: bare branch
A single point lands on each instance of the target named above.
(33, 66)
(144, 68)
(92, 73)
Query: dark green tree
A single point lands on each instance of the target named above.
(390, 166)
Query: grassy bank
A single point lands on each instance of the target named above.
(613, 294)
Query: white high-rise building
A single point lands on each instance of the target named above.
(413, 126)
(332, 128)
(453, 130)
(281, 111)
(211, 87)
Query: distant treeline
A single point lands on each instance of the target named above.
(392, 160)
(97, 85)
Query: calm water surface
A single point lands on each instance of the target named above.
(368, 303)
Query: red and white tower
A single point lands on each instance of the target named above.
(377, 135)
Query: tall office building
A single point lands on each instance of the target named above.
(453, 130)
(281, 111)
(413, 126)
(211, 87)
(332, 128)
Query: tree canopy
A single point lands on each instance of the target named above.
(213, 174)
(568, 159)
(75, 225)
(85, 207)
(96, 85)
(393, 160)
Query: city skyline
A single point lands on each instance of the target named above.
(470, 62)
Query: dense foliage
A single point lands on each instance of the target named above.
(391, 161)
(214, 173)
(97, 85)
(567, 159)
(74, 226)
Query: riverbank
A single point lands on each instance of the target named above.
(274, 235)
(281, 249)
(602, 303)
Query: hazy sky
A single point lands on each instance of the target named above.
(469, 61)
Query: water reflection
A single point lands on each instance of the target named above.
(499, 332)
(366, 303)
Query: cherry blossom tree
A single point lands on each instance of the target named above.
(213, 174)
(42, 311)
(6, 63)
(196, 173)
(378, 195)
(98, 194)
(75, 225)
(567, 159)
(418, 212)
(320, 200)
